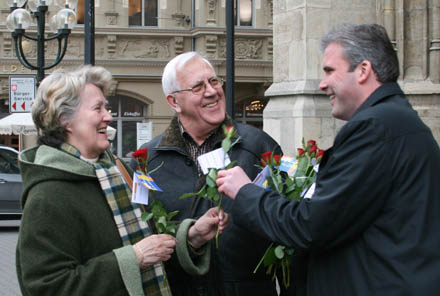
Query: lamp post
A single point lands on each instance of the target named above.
(62, 22)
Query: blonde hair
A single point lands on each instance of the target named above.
(58, 99)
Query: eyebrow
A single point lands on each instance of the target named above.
(202, 81)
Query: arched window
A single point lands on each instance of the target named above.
(126, 112)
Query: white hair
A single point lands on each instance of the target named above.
(169, 79)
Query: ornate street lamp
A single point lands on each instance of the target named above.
(61, 23)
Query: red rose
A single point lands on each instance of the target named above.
(267, 158)
(300, 152)
(277, 159)
(313, 149)
(229, 131)
(141, 153)
(311, 143)
(320, 154)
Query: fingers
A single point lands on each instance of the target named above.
(154, 249)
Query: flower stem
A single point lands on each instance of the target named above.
(219, 208)
(262, 258)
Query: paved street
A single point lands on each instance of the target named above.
(8, 241)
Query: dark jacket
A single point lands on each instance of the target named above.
(372, 224)
(233, 263)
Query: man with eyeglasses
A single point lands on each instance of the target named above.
(195, 93)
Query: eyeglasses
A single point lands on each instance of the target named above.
(200, 87)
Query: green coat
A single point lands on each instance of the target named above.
(68, 242)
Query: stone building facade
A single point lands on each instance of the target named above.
(297, 108)
(277, 59)
(134, 39)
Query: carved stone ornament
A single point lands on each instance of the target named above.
(111, 18)
(248, 48)
(151, 48)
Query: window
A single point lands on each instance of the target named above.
(142, 12)
(243, 12)
(126, 113)
(250, 111)
(80, 12)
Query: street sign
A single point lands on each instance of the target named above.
(144, 133)
(21, 93)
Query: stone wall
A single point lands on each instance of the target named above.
(297, 108)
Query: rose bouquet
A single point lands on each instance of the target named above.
(210, 189)
(294, 186)
(155, 213)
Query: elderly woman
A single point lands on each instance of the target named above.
(79, 234)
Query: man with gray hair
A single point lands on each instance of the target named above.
(371, 225)
(195, 93)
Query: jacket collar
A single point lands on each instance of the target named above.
(172, 137)
(381, 93)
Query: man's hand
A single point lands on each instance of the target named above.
(230, 181)
(206, 226)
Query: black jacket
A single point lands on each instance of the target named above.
(233, 263)
(372, 224)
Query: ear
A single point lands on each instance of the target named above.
(364, 71)
(172, 102)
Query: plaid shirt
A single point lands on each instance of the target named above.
(194, 150)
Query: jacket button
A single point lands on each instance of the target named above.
(188, 162)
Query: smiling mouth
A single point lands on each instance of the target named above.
(102, 130)
(211, 105)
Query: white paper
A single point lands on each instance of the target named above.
(262, 176)
(139, 193)
(310, 192)
(215, 159)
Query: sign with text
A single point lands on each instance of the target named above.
(21, 93)
(144, 133)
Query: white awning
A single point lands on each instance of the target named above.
(17, 124)
(22, 124)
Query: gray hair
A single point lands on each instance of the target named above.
(366, 42)
(58, 99)
(169, 79)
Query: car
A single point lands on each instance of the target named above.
(10, 184)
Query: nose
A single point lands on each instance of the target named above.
(323, 84)
(209, 90)
(107, 116)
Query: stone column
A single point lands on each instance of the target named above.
(297, 108)
(434, 50)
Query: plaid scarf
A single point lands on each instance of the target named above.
(127, 217)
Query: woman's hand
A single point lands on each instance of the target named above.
(154, 249)
(206, 226)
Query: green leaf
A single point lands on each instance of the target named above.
(201, 193)
(269, 257)
(211, 177)
(290, 251)
(186, 195)
(279, 251)
(160, 228)
(216, 198)
(230, 165)
(162, 220)
(211, 192)
(146, 216)
(226, 145)
(172, 214)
